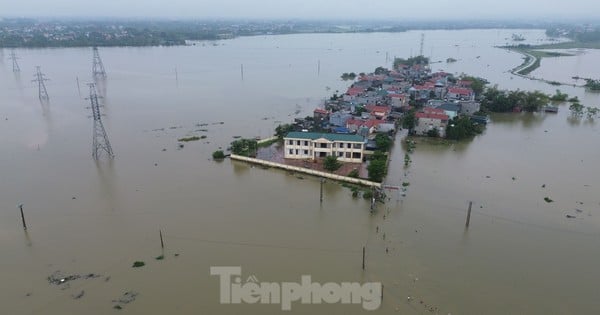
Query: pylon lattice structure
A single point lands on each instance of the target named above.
(422, 42)
(40, 78)
(14, 58)
(97, 66)
(100, 140)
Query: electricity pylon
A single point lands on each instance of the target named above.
(40, 78)
(100, 140)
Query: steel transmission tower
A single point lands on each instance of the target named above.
(97, 67)
(14, 58)
(422, 42)
(40, 78)
(100, 140)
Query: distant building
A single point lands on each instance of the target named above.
(458, 93)
(339, 119)
(313, 145)
(450, 109)
(320, 116)
(431, 118)
(469, 107)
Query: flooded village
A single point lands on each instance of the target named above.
(349, 133)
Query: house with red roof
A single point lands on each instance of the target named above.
(460, 93)
(379, 112)
(354, 125)
(429, 119)
(320, 116)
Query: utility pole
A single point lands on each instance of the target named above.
(422, 42)
(14, 58)
(97, 66)
(22, 217)
(469, 214)
(100, 139)
(40, 78)
(242, 71)
(78, 87)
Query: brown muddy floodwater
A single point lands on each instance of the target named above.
(520, 255)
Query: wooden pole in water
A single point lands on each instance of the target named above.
(162, 244)
(469, 213)
(321, 198)
(23, 217)
(78, 88)
(363, 265)
(382, 292)
(242, 71)
(319, 67)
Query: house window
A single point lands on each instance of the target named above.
(348, 155)
(348, 145)
(323, 145)
(291, 142)
(305, 143)
(333, 145)
(305, 152)
(356, 155)
(358, 145)
(298, 142)
(340, 154)
(296, 151)
(291, 151)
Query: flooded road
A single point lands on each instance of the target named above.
(520, 254)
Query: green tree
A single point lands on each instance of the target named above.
(331, 163)
(282, 130)
(477, 84)
(462, 127)
(409, 120)
(218, 155)
(383, 142)
(434, 133)
(377, 170)
(576, 109)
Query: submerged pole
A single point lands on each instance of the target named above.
(242, 71)
(78, 87)
(23, 217)
(162, 244)
(363, 262)
(469, 214)
(321, 198)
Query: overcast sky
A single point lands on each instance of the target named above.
(367, 9)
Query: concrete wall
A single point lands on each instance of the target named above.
(347, 179)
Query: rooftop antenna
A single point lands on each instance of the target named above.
(98, 71)
(14, 58)
(40, 78)
(100, 139)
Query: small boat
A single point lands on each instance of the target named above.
(551, 109)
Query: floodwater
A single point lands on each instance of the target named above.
(520, 254)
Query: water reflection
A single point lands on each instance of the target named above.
(107, 178)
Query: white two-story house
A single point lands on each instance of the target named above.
(313, 145)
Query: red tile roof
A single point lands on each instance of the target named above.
(431, 110)
(320, 111)
(375, 108)
(353, 91)
(432, 116)
(460, 91)
(368, 123)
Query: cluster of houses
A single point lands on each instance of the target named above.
(374, 103)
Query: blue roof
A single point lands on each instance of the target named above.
(328, 136)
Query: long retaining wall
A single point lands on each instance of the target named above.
(347, 179)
